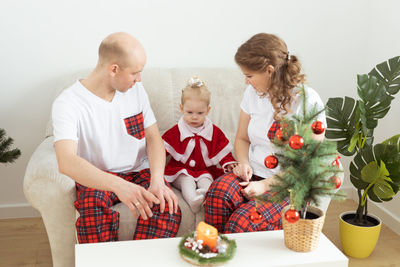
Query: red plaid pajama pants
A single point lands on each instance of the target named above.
(99, 223)
(228, 210)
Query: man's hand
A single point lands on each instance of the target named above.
(164, 194)
(136, 196)
(244, 171)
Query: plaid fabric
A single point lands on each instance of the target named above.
(272, 131)
(134, 125)
(228, 211)
(98, 223)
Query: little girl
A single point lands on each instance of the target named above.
(196, 147)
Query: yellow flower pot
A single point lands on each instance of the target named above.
(358, 241)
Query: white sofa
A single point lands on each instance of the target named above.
(53, 194)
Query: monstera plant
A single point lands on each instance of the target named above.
(375, 169)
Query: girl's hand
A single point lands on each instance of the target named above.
(230, 167)
(244, 171)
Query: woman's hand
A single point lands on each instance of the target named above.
(244, 171)
(252, 189)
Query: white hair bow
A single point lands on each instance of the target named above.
(195, 82)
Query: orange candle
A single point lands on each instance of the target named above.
(207, 233)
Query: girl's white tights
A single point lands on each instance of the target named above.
(193, 192)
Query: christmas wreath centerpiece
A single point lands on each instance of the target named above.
(206, 247)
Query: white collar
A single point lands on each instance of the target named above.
(186, 131)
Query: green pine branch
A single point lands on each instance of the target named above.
(7, 155)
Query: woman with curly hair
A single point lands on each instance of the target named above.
(273, 78)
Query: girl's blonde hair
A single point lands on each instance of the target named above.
(196, 89)
(265, 49)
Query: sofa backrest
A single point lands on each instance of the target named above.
(164, 85)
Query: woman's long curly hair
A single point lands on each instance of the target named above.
(265, 49)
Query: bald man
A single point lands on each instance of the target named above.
(107, 140)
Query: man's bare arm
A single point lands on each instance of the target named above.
(85, 173)
(156, 154)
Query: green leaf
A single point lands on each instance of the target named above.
(387, 153)
(372, 196)
(383, 190)
(394, 187)
(358, 183)
(370, 172)
(389, 169)
(394, 141)
(353, 142)
(382, 169)
(388, 74)
(374, 103)
(342, 116)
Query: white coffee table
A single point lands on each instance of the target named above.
(253, 249)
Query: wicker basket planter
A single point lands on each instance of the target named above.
(303, 236)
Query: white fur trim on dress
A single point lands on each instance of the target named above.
(180, 157)
(171, 178)
(185, 130)
(217, 158)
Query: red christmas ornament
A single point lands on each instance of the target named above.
(292, 216)
(296, 141)
(270, 162)
(336, 181)
(279, 135)
(336, 161)
(318, 127)
(255, 217)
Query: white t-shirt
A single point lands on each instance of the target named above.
(110, 135)
(261, 114)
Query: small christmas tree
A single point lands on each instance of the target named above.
(7, 155)
(309, 167)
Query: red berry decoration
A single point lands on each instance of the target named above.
(255, 217)
(271, 162)
(292, 216)
(318, 127)
(279, 135)
(296, 141)
(336, 181)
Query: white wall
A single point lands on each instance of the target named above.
(44, 41)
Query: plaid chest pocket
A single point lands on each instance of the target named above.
(134, 126)
(272, 130)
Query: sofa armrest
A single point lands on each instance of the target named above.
(53, 194)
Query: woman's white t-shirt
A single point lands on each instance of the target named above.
(261, 114)
(110, 135)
